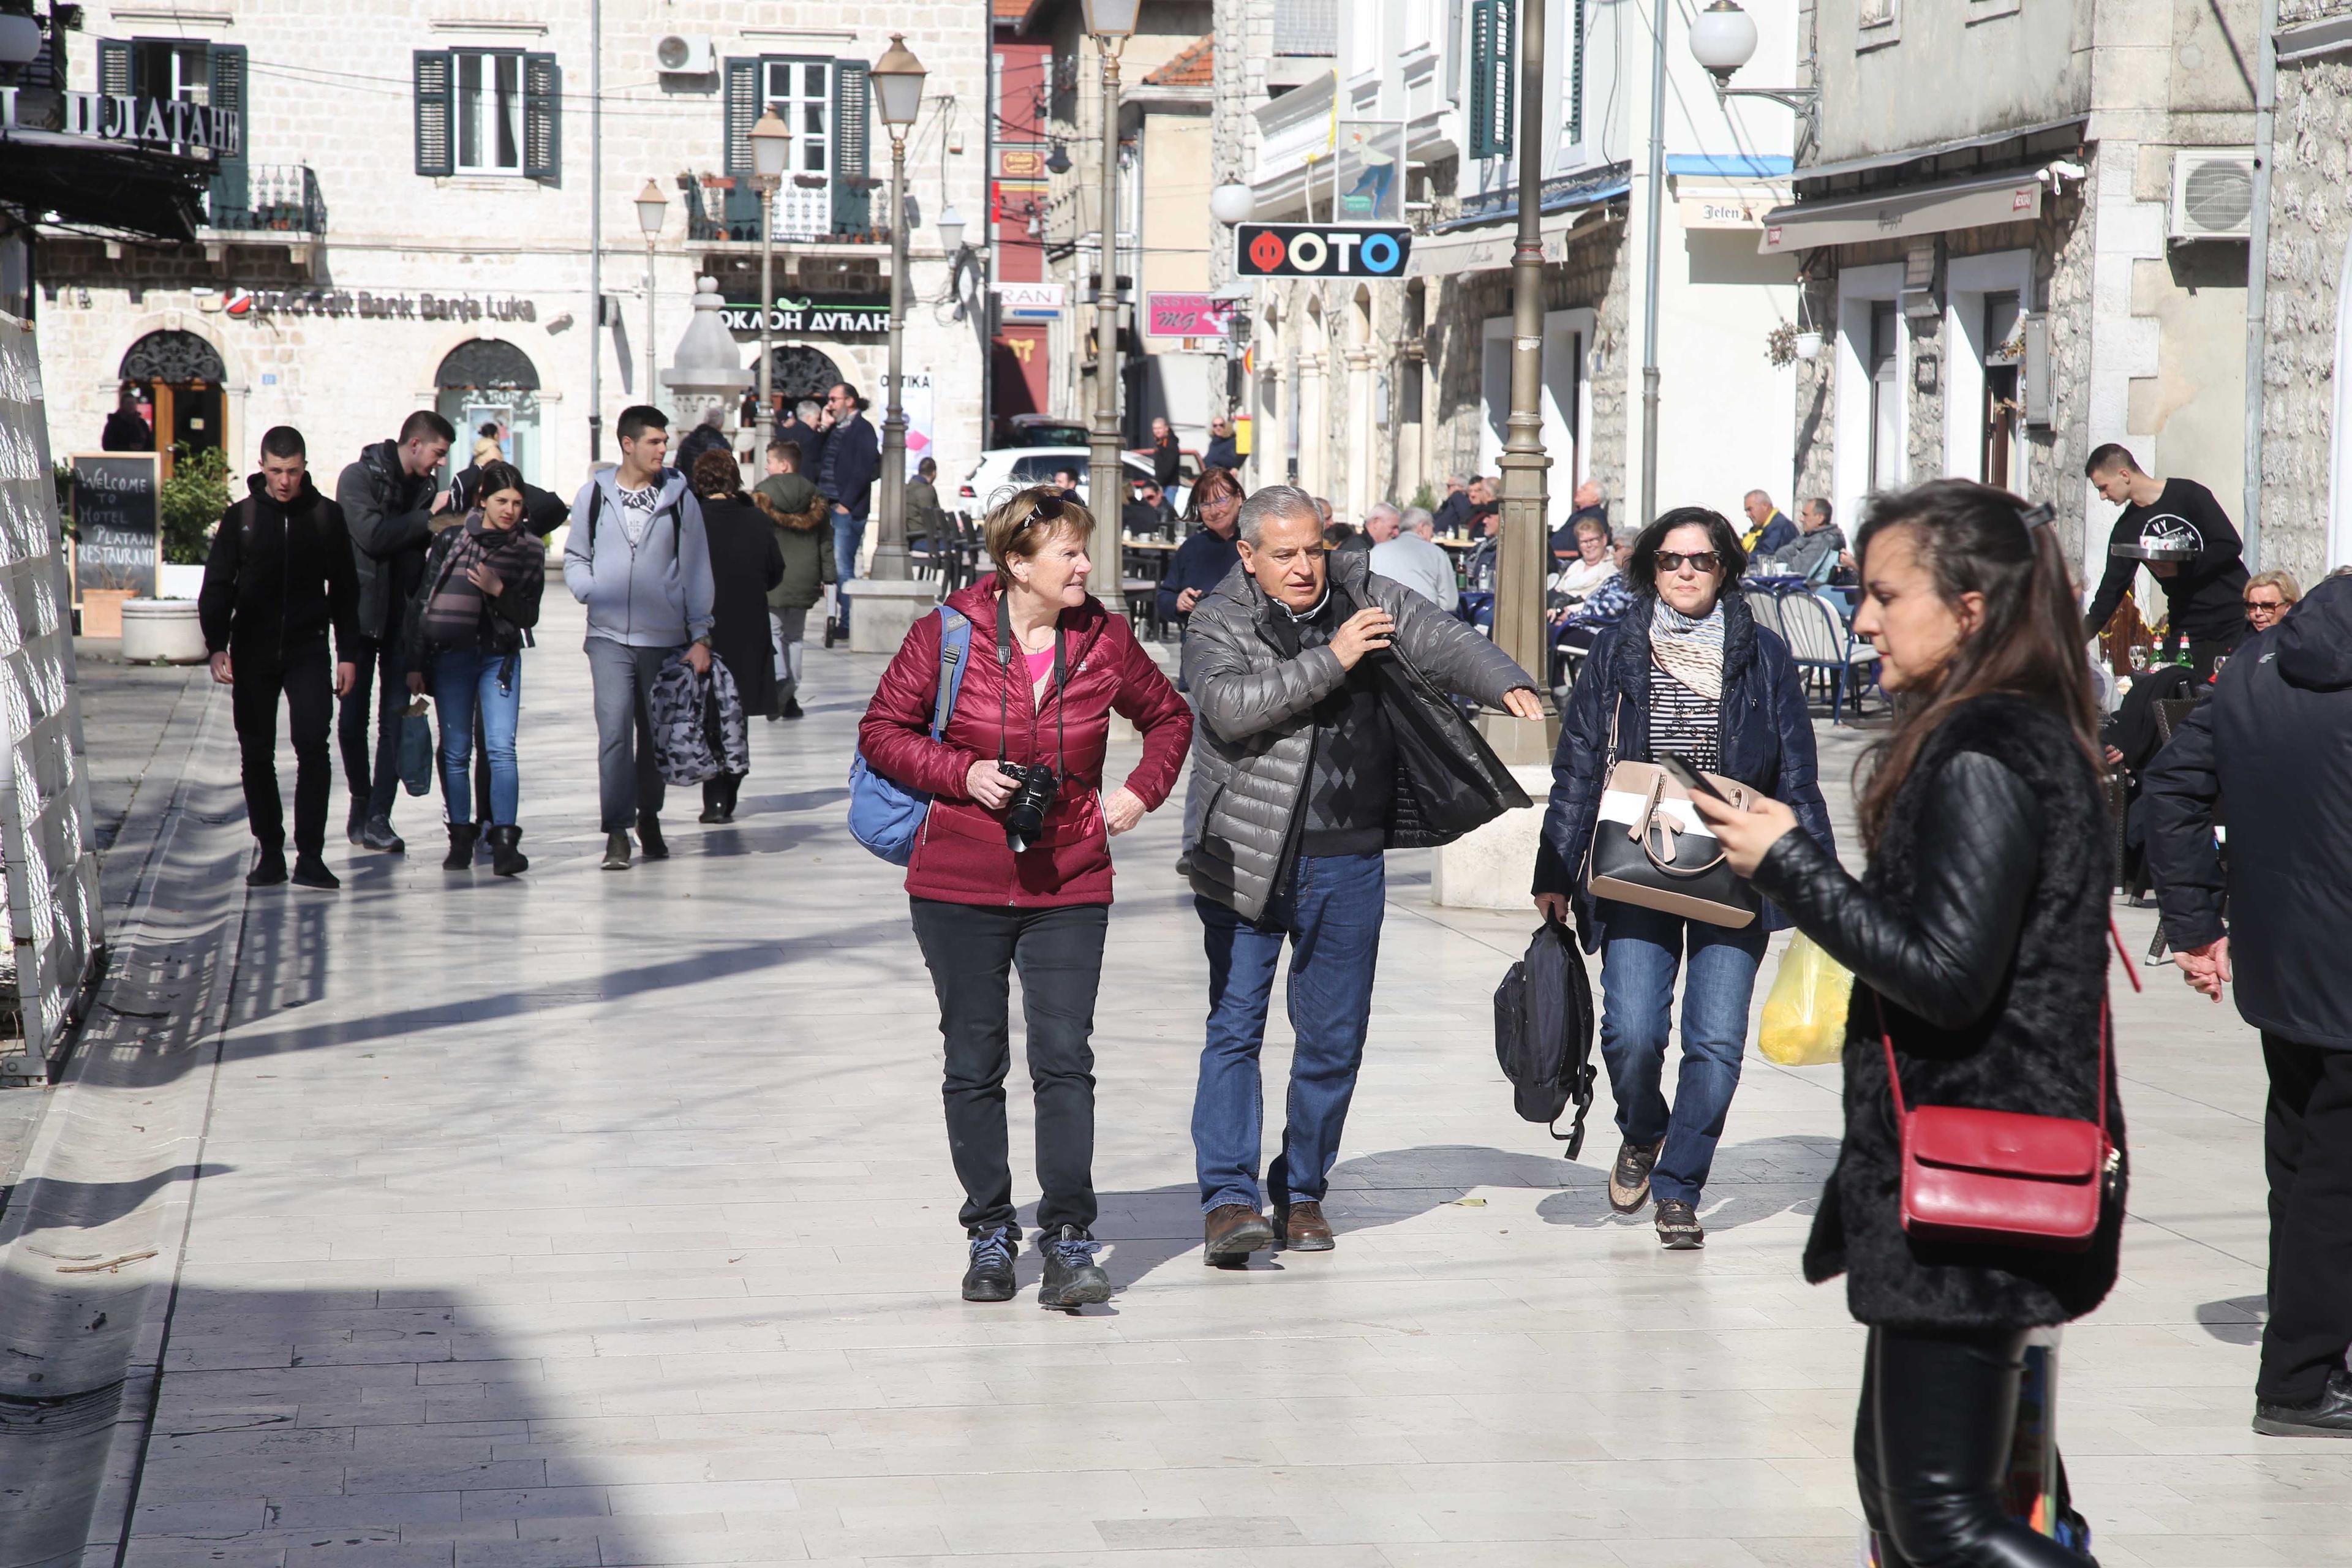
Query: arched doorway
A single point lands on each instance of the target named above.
(178, 376)
(799, 371)
(490, 383)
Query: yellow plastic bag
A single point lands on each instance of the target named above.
(1804, 1017)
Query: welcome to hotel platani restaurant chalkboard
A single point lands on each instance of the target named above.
(119, 522)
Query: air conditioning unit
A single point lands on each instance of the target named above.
(2212, 194)
(685, 54)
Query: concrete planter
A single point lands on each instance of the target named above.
(161, 629)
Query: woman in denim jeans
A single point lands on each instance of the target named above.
(1685, 670)
(468, 625)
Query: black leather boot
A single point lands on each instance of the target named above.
(507, 858)
(461, 847)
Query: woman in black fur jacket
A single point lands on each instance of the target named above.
(1978, 937)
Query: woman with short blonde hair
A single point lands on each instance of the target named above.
(2268, 596)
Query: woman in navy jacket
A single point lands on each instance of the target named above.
(1687, 670)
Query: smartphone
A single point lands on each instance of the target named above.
(1689, 777)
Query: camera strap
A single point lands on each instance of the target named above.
(1005, 643)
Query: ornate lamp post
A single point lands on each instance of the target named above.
(772, 145)
(652, 206)
(1112, 23)
(1519, 625)
(897, 79)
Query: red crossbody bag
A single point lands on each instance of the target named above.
(2003, 1177)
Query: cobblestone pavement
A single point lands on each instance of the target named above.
(607, 1219)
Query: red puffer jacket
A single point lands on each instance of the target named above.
(961, 857)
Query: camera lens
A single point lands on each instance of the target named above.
(1025, 813)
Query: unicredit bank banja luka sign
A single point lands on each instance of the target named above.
(1320, 251)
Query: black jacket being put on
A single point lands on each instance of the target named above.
(1980, 935)
(745, 561)
(2274, 742)
(390, 513)
(278, 577)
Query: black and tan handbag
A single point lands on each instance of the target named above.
(1650, 847)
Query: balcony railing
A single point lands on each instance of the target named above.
(277, 198)
(723, 211)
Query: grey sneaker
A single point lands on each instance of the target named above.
(1629, 1178)
(990, 1278)
(1678, 1226)
(1073, 1277)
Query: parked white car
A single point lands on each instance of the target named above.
(1005, 469)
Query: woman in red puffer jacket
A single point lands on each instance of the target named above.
(1047, 667)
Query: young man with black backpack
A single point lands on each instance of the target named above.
(638, 559)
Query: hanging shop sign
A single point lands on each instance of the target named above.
(1186, 315)
(358, 304)
(812, 317)
(1028, 301)
(116, 523)
(1320, 251)
(157, 122)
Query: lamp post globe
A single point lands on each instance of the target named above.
(1112, 18)
(1723, 38)
(897, 79)
(950, 227)
(772, 145)
(652, 205)
(1233, 203)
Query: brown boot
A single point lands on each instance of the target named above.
(1303, 1228)
(1232, 1232)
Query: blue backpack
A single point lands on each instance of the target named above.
(884, 815)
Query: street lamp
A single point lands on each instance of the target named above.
(950, 227)
(651, 207)
(897, 79)
(772, 147)
(1111, 22)
(1232, 204)
(1723, 39)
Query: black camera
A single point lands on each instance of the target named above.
(1025, 813)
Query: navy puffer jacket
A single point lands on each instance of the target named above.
(1767, 743)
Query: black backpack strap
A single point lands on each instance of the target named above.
(595, 504)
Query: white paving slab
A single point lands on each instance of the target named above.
(607, 1219)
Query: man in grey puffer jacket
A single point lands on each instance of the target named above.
(1302, 668)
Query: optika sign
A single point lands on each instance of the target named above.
(1309, 251)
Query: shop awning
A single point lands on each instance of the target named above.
(1896, 213)
(1488, 247)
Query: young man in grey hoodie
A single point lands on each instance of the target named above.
(638, 559)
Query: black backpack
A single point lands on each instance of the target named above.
(1543, 1033)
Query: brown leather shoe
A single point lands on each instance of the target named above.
(1303, 1228)
(1232, 1232)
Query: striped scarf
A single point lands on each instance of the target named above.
(1689, 650)
(453, 611)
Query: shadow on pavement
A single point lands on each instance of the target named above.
(2236, 1321)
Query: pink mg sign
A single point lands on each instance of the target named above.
(1185, 315)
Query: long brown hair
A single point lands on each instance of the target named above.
(1972, 538)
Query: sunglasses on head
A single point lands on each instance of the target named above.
(1700, 561)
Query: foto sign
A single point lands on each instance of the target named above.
(1320, 251)
(1185, 315)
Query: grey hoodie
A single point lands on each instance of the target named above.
(654, 594)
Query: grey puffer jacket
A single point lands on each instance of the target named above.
(1255, 742)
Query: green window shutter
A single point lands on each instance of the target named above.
(115, 68)
(1576, 72)
(436, 149)
(741, 210)
(542, 119)
(852, 205)
(1493, 26)
(230, 192)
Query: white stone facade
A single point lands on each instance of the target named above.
(335, 89)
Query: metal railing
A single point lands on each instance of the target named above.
(275, 197)
(721, 211)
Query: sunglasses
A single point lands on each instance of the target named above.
(1672, 560)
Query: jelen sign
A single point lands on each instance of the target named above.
(1320, 251)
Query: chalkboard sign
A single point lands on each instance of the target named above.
(118, 521)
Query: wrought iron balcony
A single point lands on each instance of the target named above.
(720, 210)
(281, 198)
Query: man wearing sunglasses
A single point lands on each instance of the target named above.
(1322, 741)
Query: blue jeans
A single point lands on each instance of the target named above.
(848, 532)
(463, 679)
(1638, 960)
(1331, 911)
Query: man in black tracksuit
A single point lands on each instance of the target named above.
(278, 578)
(2201, 594)
(2271, 743)
(389, 501)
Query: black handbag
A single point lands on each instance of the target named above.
(1650, 849)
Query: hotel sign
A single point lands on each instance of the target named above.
(159, 121)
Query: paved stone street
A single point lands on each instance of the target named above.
(607, 1219)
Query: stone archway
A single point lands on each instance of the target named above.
(490, 383)
(799, 370)
(180, 376)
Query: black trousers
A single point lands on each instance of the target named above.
(304, 676)
(374, 779)
(2307, 1151)
(1930, 1444)
(971, 950)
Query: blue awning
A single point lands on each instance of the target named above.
(1732, 166)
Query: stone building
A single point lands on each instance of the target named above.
(1384, 388)
(2306, 417)
(409, 223)
(1998, 280)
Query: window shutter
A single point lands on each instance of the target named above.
(229, 193)
(434, 152)
(743, 112)
(1492, 26)
(542, 119)
(1576, 73)
(115, 68)
(853, 205)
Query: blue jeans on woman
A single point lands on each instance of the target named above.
(463, 680)
(1638, 963)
